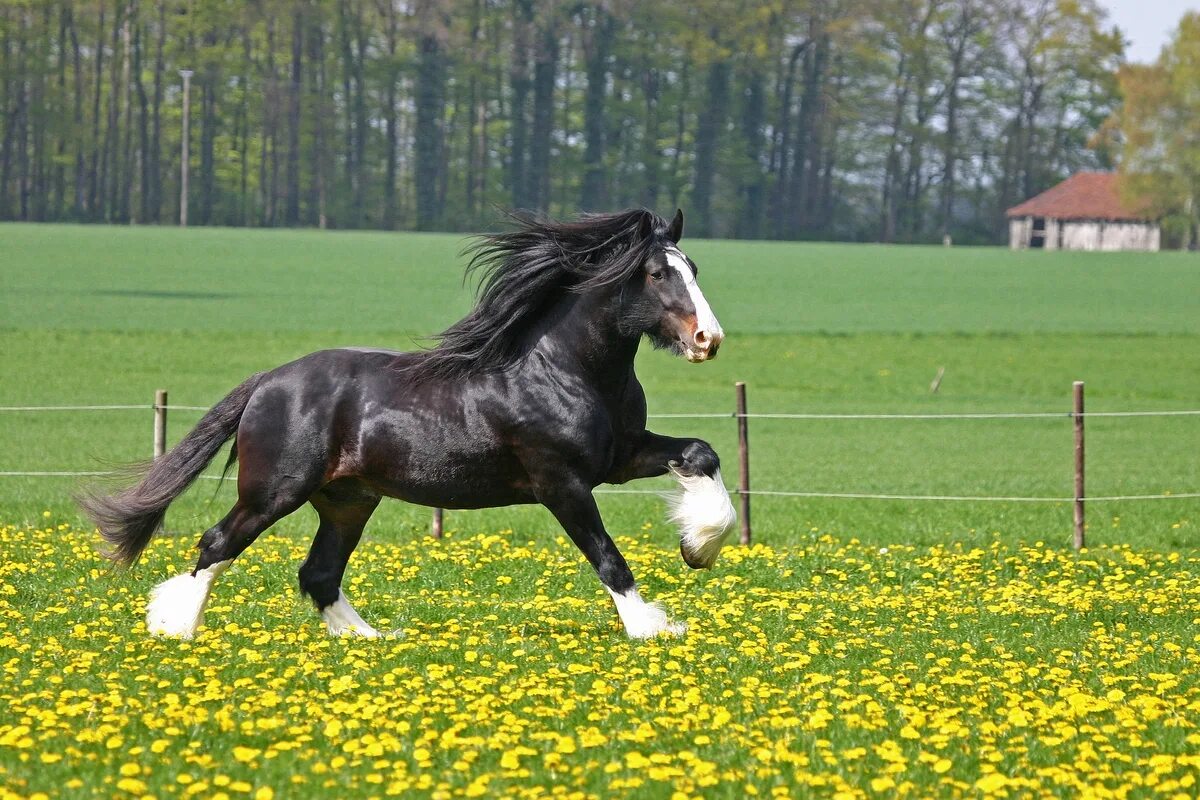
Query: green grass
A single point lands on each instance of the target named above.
(107, 315)
(156, 279)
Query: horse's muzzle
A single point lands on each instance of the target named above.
(704, 346)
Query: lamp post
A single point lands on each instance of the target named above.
(183, 166)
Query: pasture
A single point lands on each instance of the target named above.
(866, 647)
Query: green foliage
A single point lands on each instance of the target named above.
(830, 120)
(1160, 122)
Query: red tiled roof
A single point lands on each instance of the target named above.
(1084, 195)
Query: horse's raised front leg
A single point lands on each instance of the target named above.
(701, 508)
(575, 509)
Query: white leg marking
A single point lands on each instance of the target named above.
(176, 606)
(704, 514)
(342, 620)
(643, 620)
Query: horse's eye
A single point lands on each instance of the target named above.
(658, 276)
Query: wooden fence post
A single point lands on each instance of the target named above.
(743, 460)
(1079, 494)
(160, 423)
(435, 526)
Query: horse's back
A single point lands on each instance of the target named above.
(360, 414)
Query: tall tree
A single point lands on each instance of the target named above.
(431, 26)
(599, 31)
(708, 133)
(519, 108)
(545, 77)
(1160, 121)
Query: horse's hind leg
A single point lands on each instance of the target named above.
(344, 509)
(176, 606)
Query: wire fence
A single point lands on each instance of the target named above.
(756, 492)
(723, 415)
(1078, 416)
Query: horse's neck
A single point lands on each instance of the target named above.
(582, 333)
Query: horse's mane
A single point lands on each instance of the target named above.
(522, 270)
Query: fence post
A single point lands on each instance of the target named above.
(160, 423)
(1079, 494)
(743, 459)
(435, 526)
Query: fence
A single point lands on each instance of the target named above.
(741, 415)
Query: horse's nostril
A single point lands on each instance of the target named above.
(701, 338)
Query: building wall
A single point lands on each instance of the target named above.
(1099, 235)
(1086, 234)
(1053, 234)
(1018, 232)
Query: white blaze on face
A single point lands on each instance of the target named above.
(706, 320)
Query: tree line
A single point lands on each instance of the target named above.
(888, 120)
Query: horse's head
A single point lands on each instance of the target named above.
(666, 300)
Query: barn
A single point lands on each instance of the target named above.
(1084, 212)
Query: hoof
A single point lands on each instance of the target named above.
(176, 606)
(342, 620)
(705, 516)
(353, 632)
(644, 620)
(662, 627)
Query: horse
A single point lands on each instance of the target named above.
(530, 398)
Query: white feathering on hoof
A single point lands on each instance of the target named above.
(643, 620)
(704, 513)
(176, 606)
(342, 620)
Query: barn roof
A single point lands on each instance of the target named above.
(1084, 195)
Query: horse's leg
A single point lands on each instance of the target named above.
(269, 488)
(702, 509)
(650, 454)
(575, 509)
(344, 511)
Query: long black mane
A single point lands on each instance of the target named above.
(523, 270)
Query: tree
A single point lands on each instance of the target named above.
(1160, 121)
(599, 30)
(901, 119)
(430, 100)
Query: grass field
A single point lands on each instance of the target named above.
(107, 315)
(875, 648)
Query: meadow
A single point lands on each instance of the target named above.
(863, 648)
(107, 315)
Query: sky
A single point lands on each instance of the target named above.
(1147, 24)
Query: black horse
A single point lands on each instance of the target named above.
(531, 398)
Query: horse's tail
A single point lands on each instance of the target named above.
(129, 518)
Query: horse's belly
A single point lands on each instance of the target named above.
(448, 471)
(457, 489)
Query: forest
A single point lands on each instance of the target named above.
(862, 120)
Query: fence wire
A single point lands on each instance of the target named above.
(716, 415)
(735, 491)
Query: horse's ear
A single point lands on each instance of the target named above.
(675, 232)
(646, 226)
